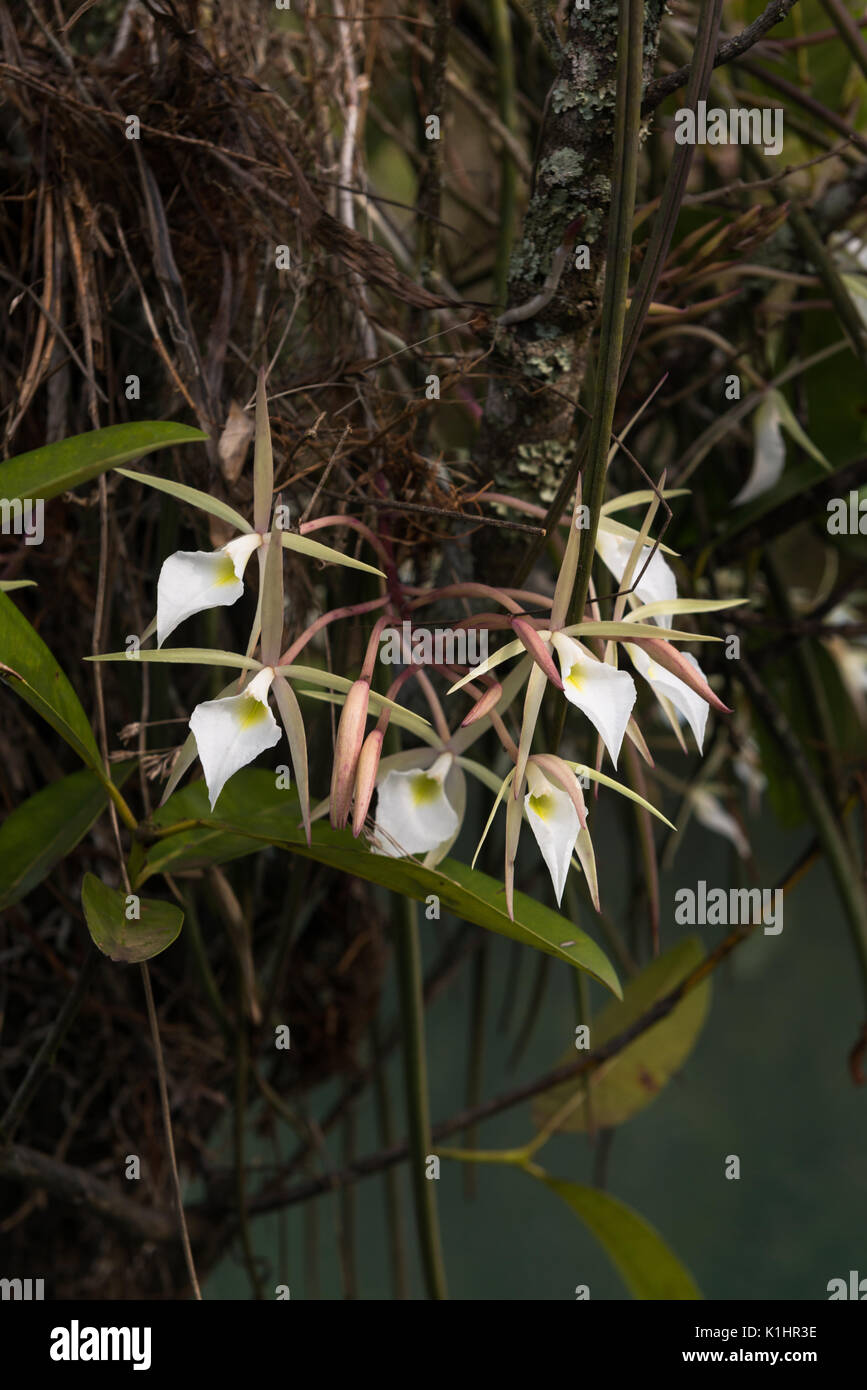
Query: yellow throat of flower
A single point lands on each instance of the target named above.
(252, 711)
(542, 805)
(425, 789)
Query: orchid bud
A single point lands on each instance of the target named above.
(365, 777)
(679, 664)
(538, 649)
(484, 704)
(350, 736)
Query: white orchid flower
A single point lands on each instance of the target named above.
(747, 767)
(849, 252)
(710, 812)
(769, 455)
(413, 812)
(858, 294)
(658, 581)
(774, 415)
(668, 687)
(231, 732)
(603, 693)
(192, 580)
(554, 822)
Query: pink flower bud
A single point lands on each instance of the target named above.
(365, 777)
(350, 736)
(484, 704)
(670, 659)
(539, 650)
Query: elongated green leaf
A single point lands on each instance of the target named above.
(293, 723)
(639, 499)
(44, 828)
(514, 648)
(400, 716)
(631, 1080)
(681, 605)
(128, 938)
(642, 1258)
(628, 533)
(185, 656)
(630, 630)
(203, 500)
(271, 605)
(584, 770)
(253, 812)
(7, 585)
(342, 683)
(485, 775)
(317, 551)
(28, 667)
(56, 468)
(263, 459)
(793, 425)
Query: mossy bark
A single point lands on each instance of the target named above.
(538, 364)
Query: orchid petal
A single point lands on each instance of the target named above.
(604, 694)
(663, 683)
(710, 812)
(192, 580)
(656, 583)
(231, 733)
(587, 860)
(413, 813)
(769, 455)
(555, 824)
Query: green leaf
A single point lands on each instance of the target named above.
(28, 667)
(317, 551)
(184, 656)
(678, 606)
(126, 940)
(7, 585)
(642, 1258)
(631, 629)
(55, 468)
(271, 605)
(263, 459)
(793, 425)
(203, 500)
(44, 828)
(584, 771)
(640, 499)
(622, 1087)
(252, 812)
(400, 716)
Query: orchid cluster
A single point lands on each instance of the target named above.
(420, 793)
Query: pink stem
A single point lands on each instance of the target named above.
(351, 610)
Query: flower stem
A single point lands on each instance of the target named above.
(408, 952)
(626, 138)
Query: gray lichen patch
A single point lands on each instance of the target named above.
(561, 166)
(543, 463)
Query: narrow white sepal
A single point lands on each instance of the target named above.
(230, 733)
(192, 580)
(604, 694)
(710, 812)
(693, 708)
(769, 454)
(413, 813)
(658, 581)
(555, 824)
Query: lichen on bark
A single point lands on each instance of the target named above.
(571, 183)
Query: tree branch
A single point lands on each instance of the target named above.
(775, 13)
